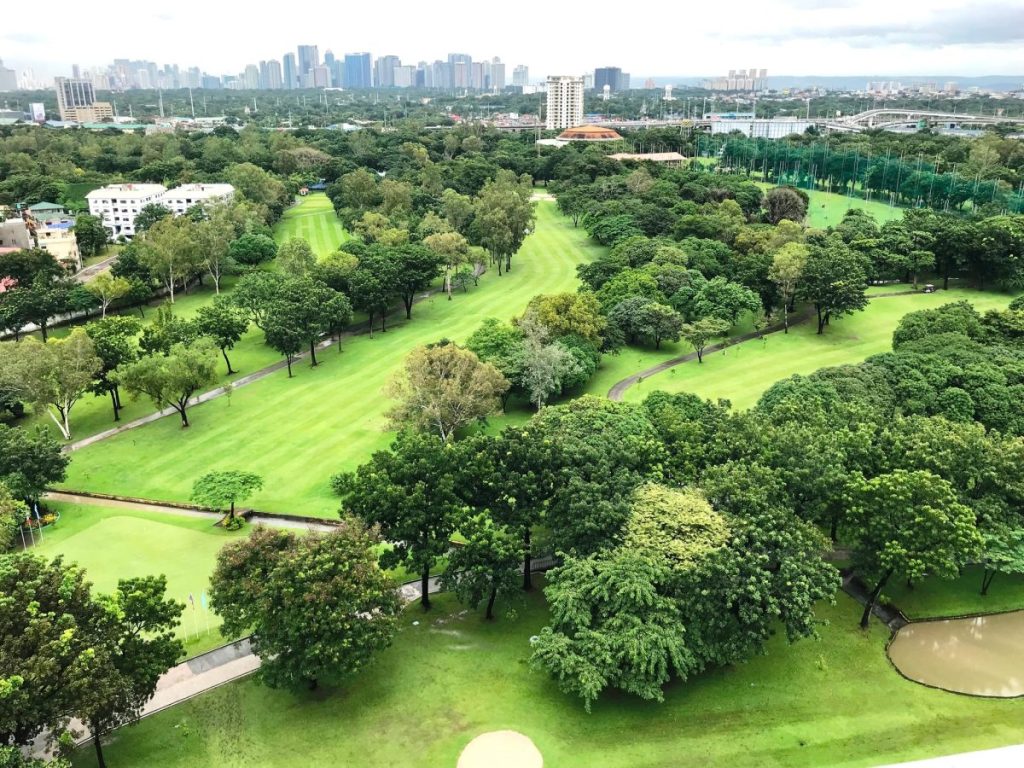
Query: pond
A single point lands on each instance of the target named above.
(978, 655)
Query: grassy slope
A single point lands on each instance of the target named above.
(114, 544)
(743, 371)
(833, 702)
(298, 432)
(958, 597)
(313, 220)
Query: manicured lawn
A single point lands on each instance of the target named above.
(298, 432)
(834, 702)
(957, 597)
(314, 220)
(826, 209)
(741, 372)
(114, 543)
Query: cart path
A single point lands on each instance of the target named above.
(619, 389)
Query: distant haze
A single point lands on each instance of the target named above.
(821, 37)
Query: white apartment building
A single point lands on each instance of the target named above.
(180, 199)
(117, 205)
(565, 102)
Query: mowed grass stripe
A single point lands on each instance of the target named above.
(313, 219)
(298, 432)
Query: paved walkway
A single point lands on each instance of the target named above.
(619, 389)
(86, 274)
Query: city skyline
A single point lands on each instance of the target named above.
(790, 37)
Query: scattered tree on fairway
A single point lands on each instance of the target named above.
(307, 310)
(296, 258)
(254, 293)
(833, 280)
(170, 251)
(225, 488)
(30, 461)
(786, 270)
(416, 268)
(443, 387)
(701, 332)
(503, 216)
(223, 322)
(485, 565)
(171, 380)
(251, 249)
(255, 588)
(785, 203)
(115, 341)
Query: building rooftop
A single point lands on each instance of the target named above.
(126, 190)
(200, 190)
(589, 133)
(45, 207)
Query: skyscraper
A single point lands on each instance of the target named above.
(334, 67)
(309, 58)
(358, 72)
(565, 101)
(290, 72)
(274, 79)
(497, 74)
(8, 78)
(76, 101)
(521, 75)
(384, 76)
(251, 77)
(610, 76)
(462, 70)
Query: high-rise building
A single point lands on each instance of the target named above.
(405, 77)
(76, 102)
(358, 72)
(309, 58)
(251, 77)
(274, 78)
(613, 77)
(8, 78)
(321, 77)
(565, 101)
(290, 71)
(461, 65)
(497, 74)
(521, 75)
(384, 71)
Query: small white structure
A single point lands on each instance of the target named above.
(180, 199)
(117, 205)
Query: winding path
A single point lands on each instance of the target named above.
(619, 388)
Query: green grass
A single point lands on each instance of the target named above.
(826, 209)
(298, 432)
(742, 372)
(113, 543)
(314, 220)
(957, 597)
(834, 702)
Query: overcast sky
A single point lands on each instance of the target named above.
(787, 37)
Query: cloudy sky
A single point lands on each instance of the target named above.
(787, 37)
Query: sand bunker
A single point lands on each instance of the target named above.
(979, 655)
(501, 749)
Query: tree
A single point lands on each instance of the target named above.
(543, 367)
(224, 323)
(833, 280)
(12, 513)
(54, 376)
(107, 288)
(457, 210)
(296, 258)
(90, 234)
(149, 215)
(213, 235)
(484, 566)
(784, 203)
(47, 646)
(114, 339)
(410, 492)
(416, 267)
(252, 248)
(786, 270)
(698, 334)
(612, 626)
(170, 251)
(909, 523)
(30, 461)
(225, 488)
(254, 293)
(501, 345)
(303, 641)
(304, 310)
(443, 387)
(137, 646)
(503, 216)
(166, 330)
(171, 380)
(564, 314)
(658, 323)
(453, 248)
(725, 300)
(374, 284)
(28, 265)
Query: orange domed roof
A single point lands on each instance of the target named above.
(589, 133)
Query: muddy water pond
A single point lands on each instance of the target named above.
(980, 655)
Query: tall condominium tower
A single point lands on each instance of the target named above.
(565, 101)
